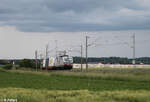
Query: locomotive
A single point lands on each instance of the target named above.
(59, 62)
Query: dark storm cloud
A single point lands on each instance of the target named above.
(74, 15)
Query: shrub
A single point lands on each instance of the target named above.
(16, 67)
(27, 63)
(8, 66)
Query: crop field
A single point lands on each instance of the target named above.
(72, 86)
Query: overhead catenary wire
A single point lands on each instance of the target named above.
(98, 41)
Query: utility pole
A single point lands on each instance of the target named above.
(36, 54)
(56, 47)
(46, 51)
(87, 53)
(40, 61)
(81, 57)
(134, 62)
(46, 56)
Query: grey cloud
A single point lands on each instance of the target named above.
(87, 5)
(73, 15)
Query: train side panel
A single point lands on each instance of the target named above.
(59, 62)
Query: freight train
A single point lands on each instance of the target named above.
(60, 62)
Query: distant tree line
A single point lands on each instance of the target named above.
(113, 60)
(30, 63)
(24, 63)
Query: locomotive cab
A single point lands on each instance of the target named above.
(68, 61)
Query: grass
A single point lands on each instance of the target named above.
(75, 81)
(31, 95)
(65, 86)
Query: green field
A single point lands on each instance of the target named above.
(65, 86)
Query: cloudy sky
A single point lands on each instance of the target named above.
(27, 25)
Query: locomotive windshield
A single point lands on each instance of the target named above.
(68, 59)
